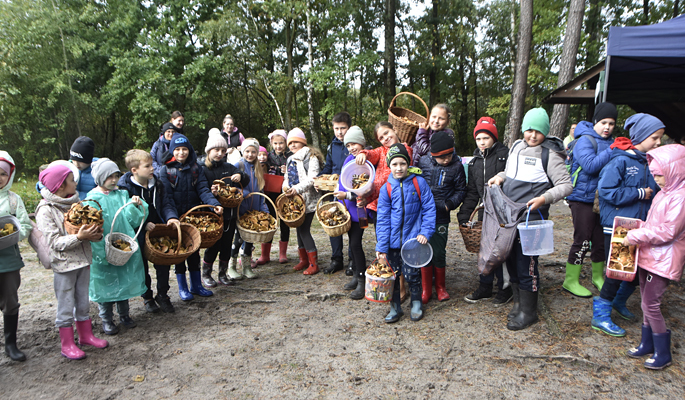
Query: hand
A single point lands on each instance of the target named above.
(496, 181)
(90, 233)
(235, 177)
(215, 189)
(290, 192)
(360, 159)
(316, 185)
(150, 226)
(380, 256)
(340, 195)
(219, 210)
(626, 242)
(173, 221)
(423, 125)
(361, 202)
(136, 200)
(421, 239)
(536, 203)
(648, 193)
(283, 169)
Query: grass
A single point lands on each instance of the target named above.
(25, 187)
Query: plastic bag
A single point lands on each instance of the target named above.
(499, 229)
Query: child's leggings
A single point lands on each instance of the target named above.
(71, 290)
(107, 309)
(356, 248)
(237, 243)
(411, 275)
(223, 246)
(304, 234)
(9, 296)
(652, 289)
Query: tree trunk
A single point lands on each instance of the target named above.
(289, 43)
(576, 11)
(435, 50)
(645, 13)
(592, 27)
(389, 56)
(518, 90)
(247, 97)
(310, 86)
(676, 6)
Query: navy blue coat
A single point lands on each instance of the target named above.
(155, 196)
(221, 170)
(159, 147)
(335, 157)
(191, 188)
(584, 155)
(447, 183)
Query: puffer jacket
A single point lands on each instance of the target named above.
(447, 183)
(275, 161)
(422, 145)
(404, 215)
(377, 158)
(525, 176)
(591, 161)
(306, 176)
(222, 170)
(86, 182)
(11, 204)
(67, 253)
(154, 195)
(662, 236)
(621, 188)
(159, 147)
(483, 166)
(335, 157)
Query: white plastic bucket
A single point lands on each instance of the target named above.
(537, 237)
(351, 169)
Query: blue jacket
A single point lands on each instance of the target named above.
(159, 147)
(86, 182)
(584, 155)
(255, 202)
(190, 188)
(335, 157)
(621, 188)
(403, 215)
(156, 197)
(447, 183)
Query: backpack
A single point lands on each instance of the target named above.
(416, 186)
(569, 158)
(172, 174)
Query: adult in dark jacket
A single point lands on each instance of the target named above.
(489, 159)
(233, 137)
(161, 147)
(589, 155)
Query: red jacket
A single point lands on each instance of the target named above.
(377, 158)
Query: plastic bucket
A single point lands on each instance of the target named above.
(378, 290)
(273, 183)
(415, 254)
(537, 237)
(352, 169)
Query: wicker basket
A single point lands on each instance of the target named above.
(188, 235)
(13, 238)
(116, 256)
(406, 131)
(327, 185)
(230, 203)
(337, 230)
(471, 231)
(291, 223)
(254, 236)
(210, 237)
(72, 229)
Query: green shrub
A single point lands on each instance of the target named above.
(25, 187)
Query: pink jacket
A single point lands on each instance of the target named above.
(662, 236)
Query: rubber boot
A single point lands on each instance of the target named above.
(598, 274)
(282, 252)
(571, 283)
(313, 266)
(646, 345)
(516, 302)
(662, 351)
(69, 348)
(351, 285)
(223, 268)
(395, 310)
(265, 257)
(86, 337)
(426, 284)
(196, 285)
(528, 311)
(183, 292)
(619, 303)
(11, 349)
(247, 269)
(440, 284)
(207, 279)
(304, 260)
(232, 272)
(358, 292)
(601, 318)
(416, 310)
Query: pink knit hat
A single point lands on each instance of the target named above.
(279, 132)
(216, 141)
(262, 149)
(53, 177)
(296, 135)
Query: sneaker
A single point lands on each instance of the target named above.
(128, 322)
(503, 296)
(483, 292)
(109, 328)
(151, 306)
(165, 304)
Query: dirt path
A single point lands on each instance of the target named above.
(285, 335)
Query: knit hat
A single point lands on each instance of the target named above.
(536, 119)
(166, 127)
(54, 176)
(216, 142)
(397, 150)
(354, 135)
(441, 144)
(103, 168)
(214, 131)
(6, 166)
(262, 149)
(279, 132)
(82, 150)
(604, 110)
(296, 135)
(179, 140)
(249, 142)
(486, 125)
(641, 126)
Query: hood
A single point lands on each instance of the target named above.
(626, 153)
(62, 203)
(163, 139)
(495, 147)
(555, 144)
(671, 161)
(585, 128)
(6, 157)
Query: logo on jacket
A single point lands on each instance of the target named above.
(530, 160)
(632, 171)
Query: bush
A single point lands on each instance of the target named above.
(25, 187)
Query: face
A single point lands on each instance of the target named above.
(4, 178)
(484, 141)
(68, 188)
(354, 148)
(228, 126)
(168, 134)
(144, 171)
(438, 119)
(340, 129)
(217, 154)
(652, 142)
(605, 127)
(572, 130)
(398, 167)
(386, 136)
(278, 144)
(178, 122)
(262, 157)
(80, 165)
(181, 154)
(295, 146)
(660, 180)
(250, 154)
(533, 137)
(444, 160)
(111, 181)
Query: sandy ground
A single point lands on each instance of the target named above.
(286, 335)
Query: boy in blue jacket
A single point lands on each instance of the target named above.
(405, 211)
(81, 155)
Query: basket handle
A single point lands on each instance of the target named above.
(178, 229)
(231, 182)
(93, 200)
(195, 208)
(392, 102)
(142, 222)
(318, 203)
(266, 197)
(474, 212)
(528, 215)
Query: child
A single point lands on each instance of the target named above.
(438, 120)
(70, 258)
(355, 142)
(233, 137)
(489, 159)
(140, 181)
(187, 187)
(215, 168)
(590, 153)
(275, 164)
(408, 212)
(626, 189)
(81, 155)
(444, 173)
(10, 259)
(110, 284)
(335, 158)
(262, 157)
(178, 121)
(302, 168)
(662, 251)
(161, 147)
(535, 174)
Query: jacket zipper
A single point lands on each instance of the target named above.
(402, 221)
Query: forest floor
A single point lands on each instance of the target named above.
(286, 335)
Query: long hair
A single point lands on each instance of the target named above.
(258, 170)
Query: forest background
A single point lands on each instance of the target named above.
(114, 70)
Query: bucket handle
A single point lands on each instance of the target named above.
(528, 215)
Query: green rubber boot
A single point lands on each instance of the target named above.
(598, 274)
(571, 283)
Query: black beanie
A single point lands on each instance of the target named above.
(82, 150)
(604, 110)
(441, 144)
(166, 127)
(397, 150)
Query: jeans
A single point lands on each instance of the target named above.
(523, 269)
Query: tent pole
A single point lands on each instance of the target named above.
(607, 65)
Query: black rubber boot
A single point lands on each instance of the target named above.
(358, 292)
(515, 302)
(11, 349)
(207, 275)
(223, 267)
(349, 270)
(528, 311)
(335, 266)
(352, 284)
